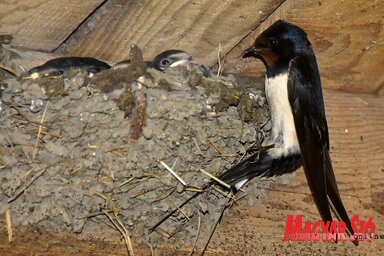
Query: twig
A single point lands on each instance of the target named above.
(197, 145)
(215, 147)
(215, 178)
(35, 149)
(216, 225)
(152, 251)
(226, 194)
(55, 134)
(173, 173)
(182, 212)
(100, 221)
(219, 70)
(174, 163)
(21, 191)
(75, 170)
(127, 181)
(197, 235)
(110, 171)
(172, 212)
(126, 237)
(117, 223)
(9, 225)
(28, 172)
(194, 189)
(110, 202)
(162, 233)
(166, 194)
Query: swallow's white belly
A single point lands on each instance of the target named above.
(283, 127)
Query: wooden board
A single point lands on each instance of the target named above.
(356, 125)
(347, 37)
(157, 25)
(43, 24)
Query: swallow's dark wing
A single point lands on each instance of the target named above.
(306, 100)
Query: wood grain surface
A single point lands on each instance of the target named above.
(157, 25)
(347, 36)
(43, 24)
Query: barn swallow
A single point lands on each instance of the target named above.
(60, 66)
(164, 60)
(170, 59)
(175, 58)
(299, 127)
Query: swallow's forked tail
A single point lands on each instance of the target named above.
(264, 163)
(261, 164)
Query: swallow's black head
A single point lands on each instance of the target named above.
(279, 44)
(60, 66)
(171, 58)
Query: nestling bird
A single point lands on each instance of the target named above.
(164, 60)
(299, 126)
(174, 58)
(170, 59)
(60, 66)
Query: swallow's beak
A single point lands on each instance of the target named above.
(258, 50)
(32, 76)
(251, 52)
(181, 62)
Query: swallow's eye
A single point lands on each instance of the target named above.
(273, 42)
(165, 62)
(56, 73)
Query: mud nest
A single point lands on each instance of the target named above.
(84, 154)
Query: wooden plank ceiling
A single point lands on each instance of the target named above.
(157, 25)
(347, 35)
(43, 24)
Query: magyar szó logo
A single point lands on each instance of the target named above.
(328, 230)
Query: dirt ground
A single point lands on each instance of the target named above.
(86, 156)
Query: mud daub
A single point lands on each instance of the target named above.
(76, 149)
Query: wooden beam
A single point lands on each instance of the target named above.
(43, 24)
(157, 25)
(347, 37)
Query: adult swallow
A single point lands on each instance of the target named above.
(60, 66)
(299, 126)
